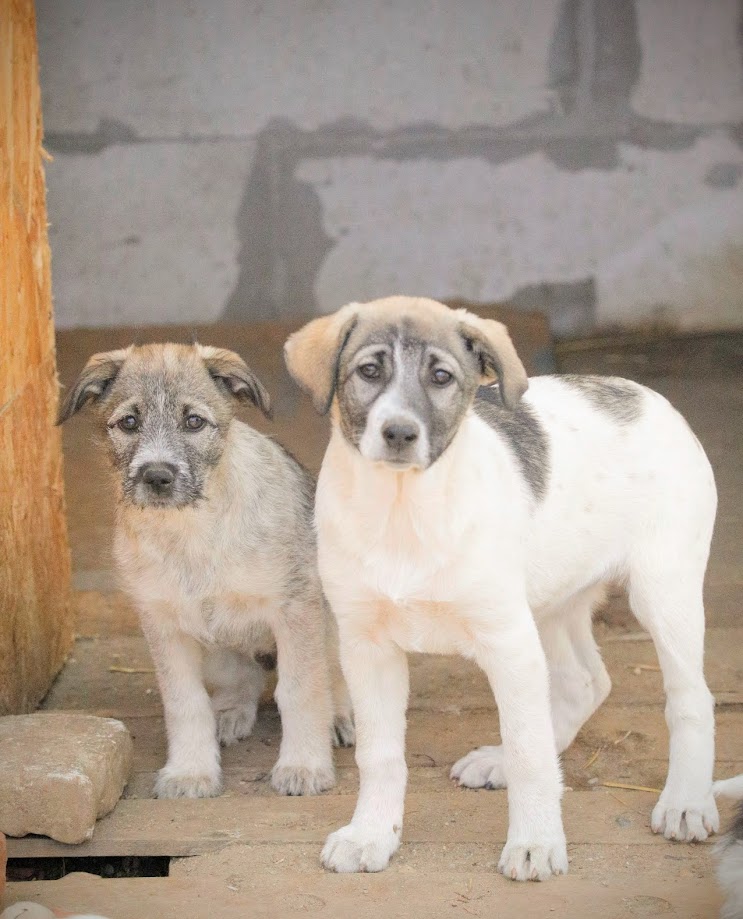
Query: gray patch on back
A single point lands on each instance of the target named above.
(524, 433)
(613, 396)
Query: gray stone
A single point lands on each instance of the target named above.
(60, 772)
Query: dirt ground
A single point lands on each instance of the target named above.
(253, 853)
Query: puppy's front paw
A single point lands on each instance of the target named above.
(535, 862)
(482, 768)
(175, 784)
(235, 724)
(675, 817)
(302, 780)
(355, 848)
(344, 732)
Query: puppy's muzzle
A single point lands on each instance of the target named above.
(159, 478)
(400, 437)
(399, 434)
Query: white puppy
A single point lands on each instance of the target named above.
(453, 518)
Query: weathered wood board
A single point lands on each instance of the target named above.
(194, 827)
(35, 618)
(392, 894)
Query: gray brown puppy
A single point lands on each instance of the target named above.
(214, 543)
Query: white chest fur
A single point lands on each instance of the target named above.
(410, 556)
(180, 564)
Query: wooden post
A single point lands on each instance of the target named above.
(35, 614)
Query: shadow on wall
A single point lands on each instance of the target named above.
(620, 218)
(283, 242)
(280, 230)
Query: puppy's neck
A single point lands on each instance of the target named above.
(380, 490)
(411, 515)
(406, 481)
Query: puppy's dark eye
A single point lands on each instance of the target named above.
(195, 422)
(128, 423)
(370, 371)
(441, 377)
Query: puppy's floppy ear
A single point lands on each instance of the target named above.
(492, 346)
(96, 377)
(313, 354)
(231, 372)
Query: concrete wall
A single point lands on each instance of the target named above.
(240, 159)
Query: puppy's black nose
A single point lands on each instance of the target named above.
(400, 433)
(159, 476)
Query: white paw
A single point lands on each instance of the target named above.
(355, 848)
(176, 784)
(534, 862)
(684, 820)
(235, 724)
(482, 768)
(302, 780)
(344, 732)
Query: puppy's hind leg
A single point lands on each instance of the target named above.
(588, 685)
(667, 600)
(579, 684)
(235, 682)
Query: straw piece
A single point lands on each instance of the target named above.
(115, 669)
(655, 791)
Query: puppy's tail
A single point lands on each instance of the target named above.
(729, 788)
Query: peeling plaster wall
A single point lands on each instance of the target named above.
(243, 159)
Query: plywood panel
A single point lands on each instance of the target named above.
(35, 619)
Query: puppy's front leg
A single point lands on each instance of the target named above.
(305, 764)
(192, 769)
(513, 659)
(377, 677)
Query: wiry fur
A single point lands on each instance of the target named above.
(729, 851)
(221, 564)
(467, 550)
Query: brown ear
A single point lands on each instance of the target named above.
(231, 372)
(490, 342)
(313, 354)
(96, 377)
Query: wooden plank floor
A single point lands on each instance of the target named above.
(253, 853)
